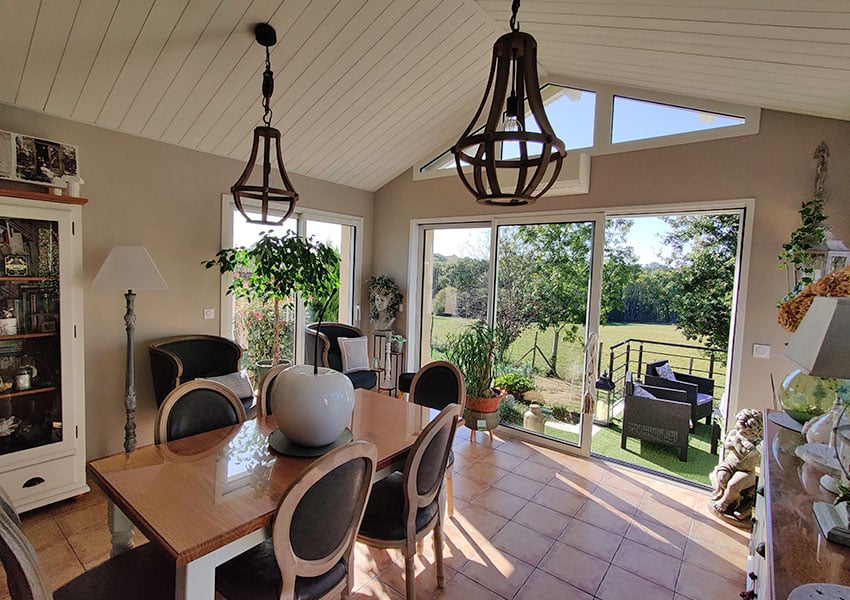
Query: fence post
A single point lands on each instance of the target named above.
(629, 355)
(640, 360)
(711, 365)
(534, 352)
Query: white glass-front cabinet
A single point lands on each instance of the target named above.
(42, 390)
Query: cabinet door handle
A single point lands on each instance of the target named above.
(760, 549)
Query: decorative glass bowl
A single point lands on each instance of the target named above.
(804, 397)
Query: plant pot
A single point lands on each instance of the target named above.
(396, 346)
(485, 405)
(261, 368)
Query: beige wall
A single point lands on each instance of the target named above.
(167, 198)
(775, 167)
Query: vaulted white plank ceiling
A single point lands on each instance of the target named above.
(366, 88)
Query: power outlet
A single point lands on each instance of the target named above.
(209, 313)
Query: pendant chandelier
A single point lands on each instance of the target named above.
(267, 138)
(511, 165)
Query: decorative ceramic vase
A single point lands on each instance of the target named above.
(312, 409)
(804, 396)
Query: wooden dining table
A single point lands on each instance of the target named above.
(207, 498)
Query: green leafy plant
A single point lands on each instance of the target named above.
(275, 268)
(514, 383)
(473, 350)
(811, 232)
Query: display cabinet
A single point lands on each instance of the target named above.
(42, 391)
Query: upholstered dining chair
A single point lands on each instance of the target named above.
(311, 552)
(195, 407)
(406, 506)
(264, 408)
(138, 574)
(330, 353)
(436, 385)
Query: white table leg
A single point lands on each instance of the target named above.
(121, 529)
(195, 581)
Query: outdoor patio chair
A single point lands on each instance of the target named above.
(656, 414)
(700, 390)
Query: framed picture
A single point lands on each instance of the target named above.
(36, 160)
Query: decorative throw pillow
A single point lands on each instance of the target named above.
(643, 393)
(665, 371)
(355, 354)
(236, 382)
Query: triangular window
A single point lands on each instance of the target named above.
(640, 120)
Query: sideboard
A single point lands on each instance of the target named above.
(786, 548)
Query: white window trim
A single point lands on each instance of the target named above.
(604, 116)
(228, 208)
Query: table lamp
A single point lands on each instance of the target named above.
(129, 268)
(821, 347)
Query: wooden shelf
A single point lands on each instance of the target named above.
(29, 392)
(42, 196)
(27, 336)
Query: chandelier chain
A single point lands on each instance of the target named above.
(514, 10)
(268, 89)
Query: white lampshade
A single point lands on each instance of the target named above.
(129, 268)
(821, 344)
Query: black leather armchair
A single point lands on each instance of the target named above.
(182, 358)
(699, 390)
(330, 355)
(663, 419)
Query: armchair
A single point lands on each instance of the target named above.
(330, 355)
(699, 390)
(182, 358)
(656, 414)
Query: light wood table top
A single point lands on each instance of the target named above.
(197, 494)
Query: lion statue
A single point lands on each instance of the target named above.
(734, 479)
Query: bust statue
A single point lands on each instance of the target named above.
(385, 299)
(380, 303)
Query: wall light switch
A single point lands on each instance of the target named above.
(209, 313)
(761, 351)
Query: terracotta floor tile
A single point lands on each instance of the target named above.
(548, 458)
(591, 539)
(519, 485)
(534, 471)
(468, 488)
(519, 541)
(375, 589)
(86, 518)
(626, 502)
(620, 584)
(700, 584)
(479, 523)
(501, 460)
(464, 588)
(629, 483)
(605, 517)
(500, 502)
(484, 472)
(542, 586)
(43, 533)
(664, 514)
(715, 533)
(564, 501)
(476, 451)
(574, 566)
(542, 519)
(516, 448)
(725, 562)
(648, 563)
(92, 546)
(654, 535)
(571, 482)
(425, 575)
(499, 572)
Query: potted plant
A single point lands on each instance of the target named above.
(473, 350)
(274, 269)
(397, 342)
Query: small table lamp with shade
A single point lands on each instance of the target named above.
(129, 268)
(821, 347)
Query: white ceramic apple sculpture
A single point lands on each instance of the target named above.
(312, 408)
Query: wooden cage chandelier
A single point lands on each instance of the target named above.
(508, 163)
(268, 138)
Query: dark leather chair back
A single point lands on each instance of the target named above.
(438, 384)
(179, 359)
(329, 352)
(196, 407)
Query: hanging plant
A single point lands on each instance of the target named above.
(811, 231)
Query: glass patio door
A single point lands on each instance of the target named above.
(538, 282)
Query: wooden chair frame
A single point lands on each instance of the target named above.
(265, 387)
(413, 501)
(292, 566)
(24, 578)
(161, 427)
(460, 401)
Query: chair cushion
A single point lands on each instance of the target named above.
(704, 398)
(641, 392)
(142, 573)
(355, 354)
(665, 371)
(363, 379)
(384, 518)
(236, 382)
(254, 575)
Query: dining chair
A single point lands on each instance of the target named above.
(406, 506)
(311, 551)
(264, 408)
(436, 385)
(138, 574)
(196, 407)
(330, 354)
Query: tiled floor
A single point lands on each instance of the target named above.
(529, 523)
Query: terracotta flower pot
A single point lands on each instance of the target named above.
(485, 405)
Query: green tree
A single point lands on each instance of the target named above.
(705, 247)
(619, 267)
(648, 297)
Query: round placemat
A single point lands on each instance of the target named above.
(282, 444)
(820, 591)
(783, 419)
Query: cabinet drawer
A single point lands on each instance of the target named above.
(29, 484)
